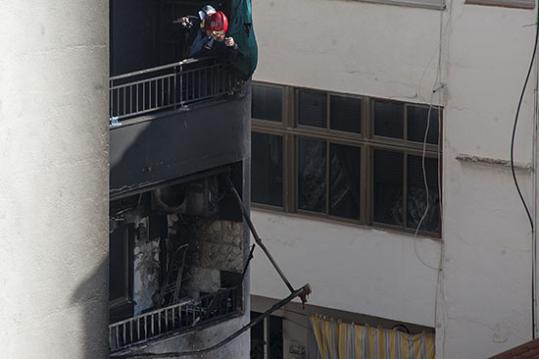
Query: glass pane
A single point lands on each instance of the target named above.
(257, 338)
(267, 169)
(417, 124)
(345, 114)
(388, 183)
(119, 263)
(275, 338)
(344, 181)
(312, 108)
(267, 103)
(417, 194)
(312, 175)
(389, 119)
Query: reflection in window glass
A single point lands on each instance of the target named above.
(389, 119)
(417, 124)
(267, 169)
(345, 114)
(267, 103)
(312, 175)
(312, 108)
(344, 181)
(388, 191)
(417, 195)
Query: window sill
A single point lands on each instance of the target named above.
(430, 5)
(344, 222)
(519, 4)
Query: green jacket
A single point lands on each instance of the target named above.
(241, 29)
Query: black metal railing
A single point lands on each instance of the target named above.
(169, 86)
(174, 319)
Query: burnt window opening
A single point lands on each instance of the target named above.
(179, 258)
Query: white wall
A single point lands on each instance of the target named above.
(391, 52)
(54, 179)
(348, 46)
(367, 49)
(487, 302)
(361, 270)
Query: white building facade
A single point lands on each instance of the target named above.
(467, 275)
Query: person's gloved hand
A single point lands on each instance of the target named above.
(184, 22)
(229, 41)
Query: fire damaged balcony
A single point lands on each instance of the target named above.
(173, 319)
(170, 87)
(179, 138)
(165, 108)
(163, 118)
(177, 259)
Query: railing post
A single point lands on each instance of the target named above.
(180, 73)
(111, 113)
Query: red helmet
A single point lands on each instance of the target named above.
(217, 22)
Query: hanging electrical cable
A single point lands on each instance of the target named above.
(437, 86)
(249, 259)
(513, 172)
(515, 123)
(298, 293)
(534, 179)
(436, 90)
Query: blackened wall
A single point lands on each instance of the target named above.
(142, 33)
(133, 35)
(178, 144)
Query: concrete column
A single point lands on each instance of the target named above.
(53, 179)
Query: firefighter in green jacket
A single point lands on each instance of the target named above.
(241, 29)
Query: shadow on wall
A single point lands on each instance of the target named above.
(91, 300)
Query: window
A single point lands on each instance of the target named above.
(267, 338)
(345, 114)
(267, 169)
(267, 103)
(349, 158)
(312, 108)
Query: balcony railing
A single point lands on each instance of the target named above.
(173, 319)
(170, 86)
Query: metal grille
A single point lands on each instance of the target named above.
(170, 86)
(174, 318)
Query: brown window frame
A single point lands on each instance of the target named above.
(290, 131)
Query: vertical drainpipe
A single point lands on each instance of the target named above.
(54, 179)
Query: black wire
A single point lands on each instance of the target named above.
(515, 180)
(305, 290)
(251, 256)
